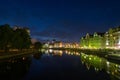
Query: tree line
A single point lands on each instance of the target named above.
(13, 39)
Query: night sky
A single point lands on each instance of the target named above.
(65, 20)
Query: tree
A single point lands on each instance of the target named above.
(6, 37)
(38, 45)
(17, 39)
(21, 39)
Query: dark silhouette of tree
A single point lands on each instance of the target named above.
(38, 45)
(6, 37)
(17, 39)
(22, 38)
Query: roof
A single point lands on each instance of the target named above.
(101, 34)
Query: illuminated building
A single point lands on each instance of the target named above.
(110, 39)
(95, 41)
(51, 45)
(58, 44)
(113, 38)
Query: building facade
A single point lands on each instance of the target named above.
(109, 40)
(113, 38)
(95, 41)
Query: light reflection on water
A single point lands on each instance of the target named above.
(99, 64)
(58, 65)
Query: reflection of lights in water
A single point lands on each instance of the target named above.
(60, 52)
(66, 51)
(89, 58)
(108, 63)
(54, 51)
(71, 53)
(23, 58)
(50, 50)
(77, 53)
(74, 53)
(116, 71)
(100, 63)
(112, 73)
(108, 72)
(46, 51)
(85, 57)
(116, 65)
(96, 69)
(88, 66)
(57, 52)
(82, 62)
(43, 50)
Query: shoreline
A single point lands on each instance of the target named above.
(9, 54)
(105, 53)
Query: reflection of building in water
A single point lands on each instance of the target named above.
(60, 52)
(53, 52)
(57, 52)
(100, 64)
(72, 52)
(89, 59)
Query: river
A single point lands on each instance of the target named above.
(59, 65)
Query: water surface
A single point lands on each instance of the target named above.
(59, 65)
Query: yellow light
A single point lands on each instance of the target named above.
(89, 58)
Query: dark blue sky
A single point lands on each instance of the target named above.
(66, 20)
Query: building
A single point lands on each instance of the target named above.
(109, 40)
(113, 38)
(58, 44)
(95, 41)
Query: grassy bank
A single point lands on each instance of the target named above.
(4, 55)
